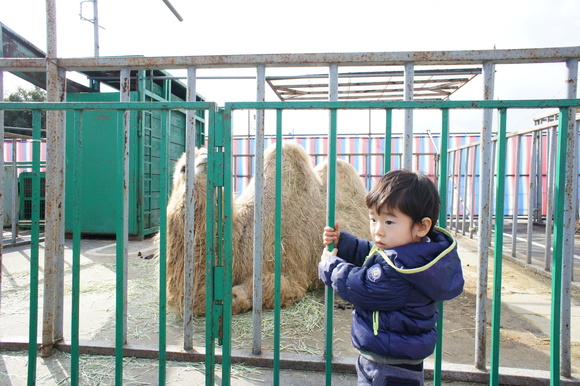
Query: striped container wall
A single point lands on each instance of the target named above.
(23, 154)
(366, 155)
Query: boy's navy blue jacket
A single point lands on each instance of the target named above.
(406, 293)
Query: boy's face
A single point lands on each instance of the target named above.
(392, 228)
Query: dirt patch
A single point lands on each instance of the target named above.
(524, 337)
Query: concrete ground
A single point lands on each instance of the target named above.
(97, 370)
(54, 371)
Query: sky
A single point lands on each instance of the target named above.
(149, 28)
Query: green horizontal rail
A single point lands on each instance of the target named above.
(24, 164)
(106, 105)
(475, 104)
(480, 104)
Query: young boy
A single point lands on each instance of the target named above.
(396, 281)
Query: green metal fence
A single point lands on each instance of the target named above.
(219, 223)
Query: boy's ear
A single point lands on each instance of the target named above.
(423, 227)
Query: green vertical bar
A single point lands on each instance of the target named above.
(331, 202)
(388, 141)
(163, 187)
(559, 199)
(443, 164)
(278, 248)
(227, 251)
(120, 257)
(34, 238)
(210, 252)
(140, 164)
(498, 247)
(76, 252)
(219, 274)
(444, 146)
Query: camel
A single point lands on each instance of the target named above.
(303, 218)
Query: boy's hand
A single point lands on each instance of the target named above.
(326, 253)
(331, 235)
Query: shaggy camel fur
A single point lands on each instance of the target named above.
(303, 217)
(176, 234)
(352, 213)
(303, 212)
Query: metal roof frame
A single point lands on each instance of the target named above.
(16, 46)
(431, 84)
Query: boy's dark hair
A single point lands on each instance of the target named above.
(412, 193)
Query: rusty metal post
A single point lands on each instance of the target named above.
(15, 214)
(54, 210)
(484, 229)
(59, 311)
(454, 208)
(516, 198)
(460, 207)
(125, 79)
(122, 226)
(473, 189)
(408, 136)
(258, 214)
(465, 190)
(189, 267)
(551, 170)
(532, 186)
(2, 171)
(539, 177)
(570, 211)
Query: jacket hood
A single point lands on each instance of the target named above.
(440, 277)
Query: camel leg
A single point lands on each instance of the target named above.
(242, 294)
(291, 291)
(242, 297)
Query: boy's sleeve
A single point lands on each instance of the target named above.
(367, 287)
(353, 249)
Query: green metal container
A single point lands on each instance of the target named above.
(25, 192)
(100, 158)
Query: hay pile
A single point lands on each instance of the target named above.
(298, 324)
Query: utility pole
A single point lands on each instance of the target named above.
(95, 20)
(96, 26)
